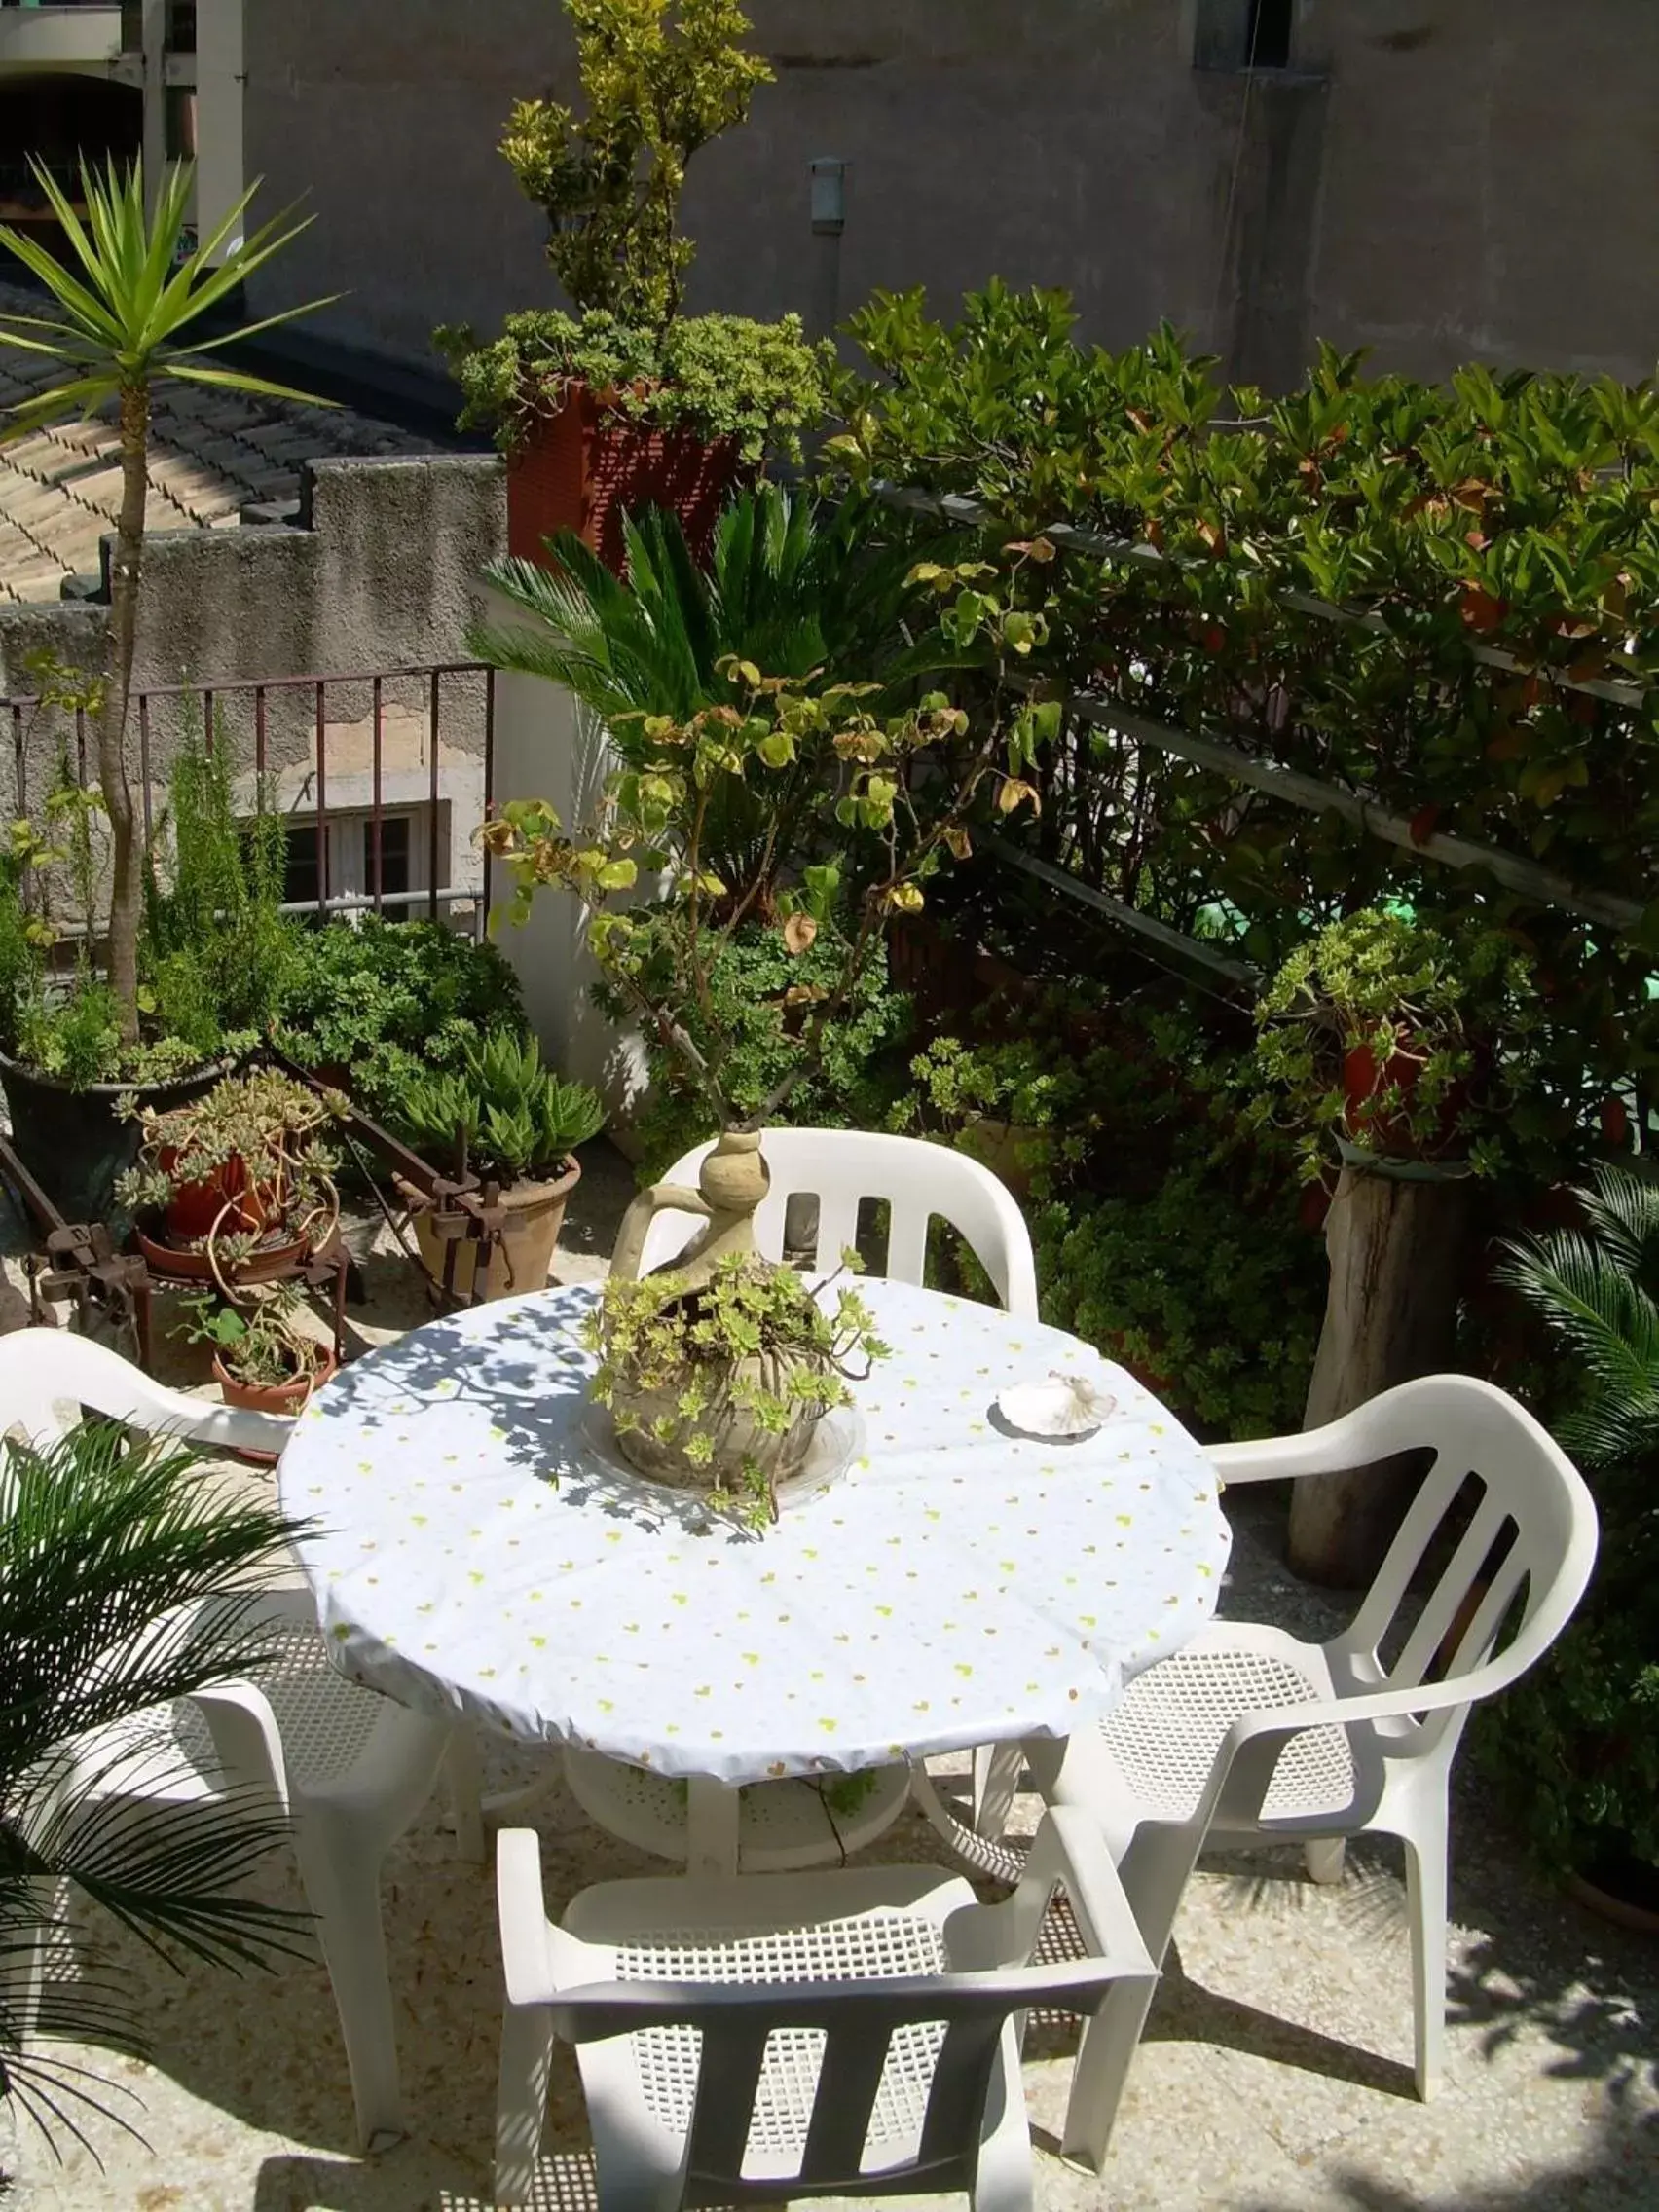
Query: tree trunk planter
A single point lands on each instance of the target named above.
(282, 1398)
(588, 466)
(522, 1255)
(1395, 1240)
(74, 1143)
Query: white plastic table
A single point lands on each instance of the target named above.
(957, 1585)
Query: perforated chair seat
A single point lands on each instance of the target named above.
(782, 1827)
(1164, 1732)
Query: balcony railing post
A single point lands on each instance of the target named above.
(144, 762)
(322, 798)
(377, 825)
(432, 884)
(482, 928)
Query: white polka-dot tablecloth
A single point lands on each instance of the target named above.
(958, 1585)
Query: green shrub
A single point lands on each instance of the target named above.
(215, 945)
(377, 1004)
(854, 1085)
(721, 376)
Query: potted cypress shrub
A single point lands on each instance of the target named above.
(124, 314)
(625, 403)
(509, 1121)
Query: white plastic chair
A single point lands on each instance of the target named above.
(841, 1167)
(774, 2036)
(1247, 1736)
(350, 1768)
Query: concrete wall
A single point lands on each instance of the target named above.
(1439, 178)
(382, 571)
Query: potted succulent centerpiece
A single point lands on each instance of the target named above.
(625, 403)
(80, 1022)
(843, 814)
(501, 1115)
(718, 1380)
(238, 1183)
(262, 1358)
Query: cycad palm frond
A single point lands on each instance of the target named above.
(127, 1580)
(1586, 1286)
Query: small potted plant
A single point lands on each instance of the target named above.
(624, 403)
(262, 1358)
(237, 1184)
(1001, 1103)
(1384, 1035)
(501, 1115)
(719, 1384)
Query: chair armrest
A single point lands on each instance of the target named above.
(246, 1740)
(55, 1365)
(1069, 1850)
(521, 1909)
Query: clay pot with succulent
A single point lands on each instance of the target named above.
(262, 1358)
(236, 1185)
(720, 1382)
(500, 1114)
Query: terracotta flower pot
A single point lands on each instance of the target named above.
(195, 1208)
(587, 466)
(274, 1397)
(524, 1255)
(1364, 1087)
(166, 1258)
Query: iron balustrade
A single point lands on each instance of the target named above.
(263, 714)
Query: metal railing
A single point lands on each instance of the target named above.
(282, 725)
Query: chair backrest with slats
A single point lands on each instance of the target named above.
(842, 1168)
(1527, 1545)
(859, 2021)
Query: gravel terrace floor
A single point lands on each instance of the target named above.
(1274, 2076)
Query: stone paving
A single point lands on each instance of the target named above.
(1274, 2076)
(212, 453)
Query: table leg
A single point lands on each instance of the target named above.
(711, 1828)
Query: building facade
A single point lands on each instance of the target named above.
(1437, 179)
(81, 79)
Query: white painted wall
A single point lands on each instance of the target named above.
(549, 747)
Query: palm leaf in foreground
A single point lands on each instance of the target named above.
(1588, 1286)
(127, 1580)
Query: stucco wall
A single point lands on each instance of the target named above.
(1476, 176)
(383, 571)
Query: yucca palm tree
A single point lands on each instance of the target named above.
(122, 322)
(127, 1579)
